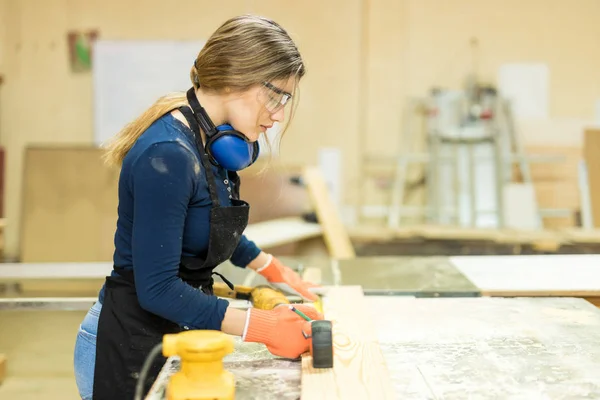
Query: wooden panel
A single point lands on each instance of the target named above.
(69, 205)
(591, 153)
(359, 371)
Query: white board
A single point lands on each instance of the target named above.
(130, 75)
(531, 273)
(526, 85)
(520, 206)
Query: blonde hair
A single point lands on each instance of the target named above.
(245, 51)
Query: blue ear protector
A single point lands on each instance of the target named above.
(225, 146)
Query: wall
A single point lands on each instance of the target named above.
(364, 58)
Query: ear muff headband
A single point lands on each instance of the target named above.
(225, 146)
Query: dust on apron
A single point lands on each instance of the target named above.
(127, 332)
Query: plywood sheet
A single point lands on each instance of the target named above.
(574, 275)
(359, 369)
(69, 205)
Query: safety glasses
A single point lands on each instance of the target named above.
(276, 98)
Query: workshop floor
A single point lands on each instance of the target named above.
(39, 350)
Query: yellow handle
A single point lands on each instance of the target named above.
(267, 298)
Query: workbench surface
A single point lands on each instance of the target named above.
(457, 348)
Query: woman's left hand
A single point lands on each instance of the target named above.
(286, 279)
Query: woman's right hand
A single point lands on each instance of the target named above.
(281, 329)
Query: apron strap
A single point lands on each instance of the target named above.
(210, 178)
(227, 282)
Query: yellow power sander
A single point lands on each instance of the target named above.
(202, 376)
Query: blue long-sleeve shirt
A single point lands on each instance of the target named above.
(163, 214)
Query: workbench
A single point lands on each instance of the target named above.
(442, 331)
(454, 348)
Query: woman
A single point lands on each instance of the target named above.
(180, 215)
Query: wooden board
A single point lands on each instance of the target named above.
(534, 275)
(360, 370)
(591, 155)
(594, 300)
(336, 237)
(2, 367)
(63, 186)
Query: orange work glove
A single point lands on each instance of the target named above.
(281, 329)
(286, 279)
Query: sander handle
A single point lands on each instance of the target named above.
(239, 292)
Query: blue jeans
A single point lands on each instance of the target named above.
(85, 352)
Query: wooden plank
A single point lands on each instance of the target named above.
(595, 300)
(2, 367)
(336, 237)
(360, 370)
(591, 155)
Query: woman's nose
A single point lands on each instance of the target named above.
(279, 115)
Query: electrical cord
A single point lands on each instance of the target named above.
(139, 387)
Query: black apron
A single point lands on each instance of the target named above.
(127, 332)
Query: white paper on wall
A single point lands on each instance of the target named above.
(130, 75)
(526, 85)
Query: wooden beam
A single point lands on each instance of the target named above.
(2, 367)
(591, 155)
(335, 234)
(359, 370)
